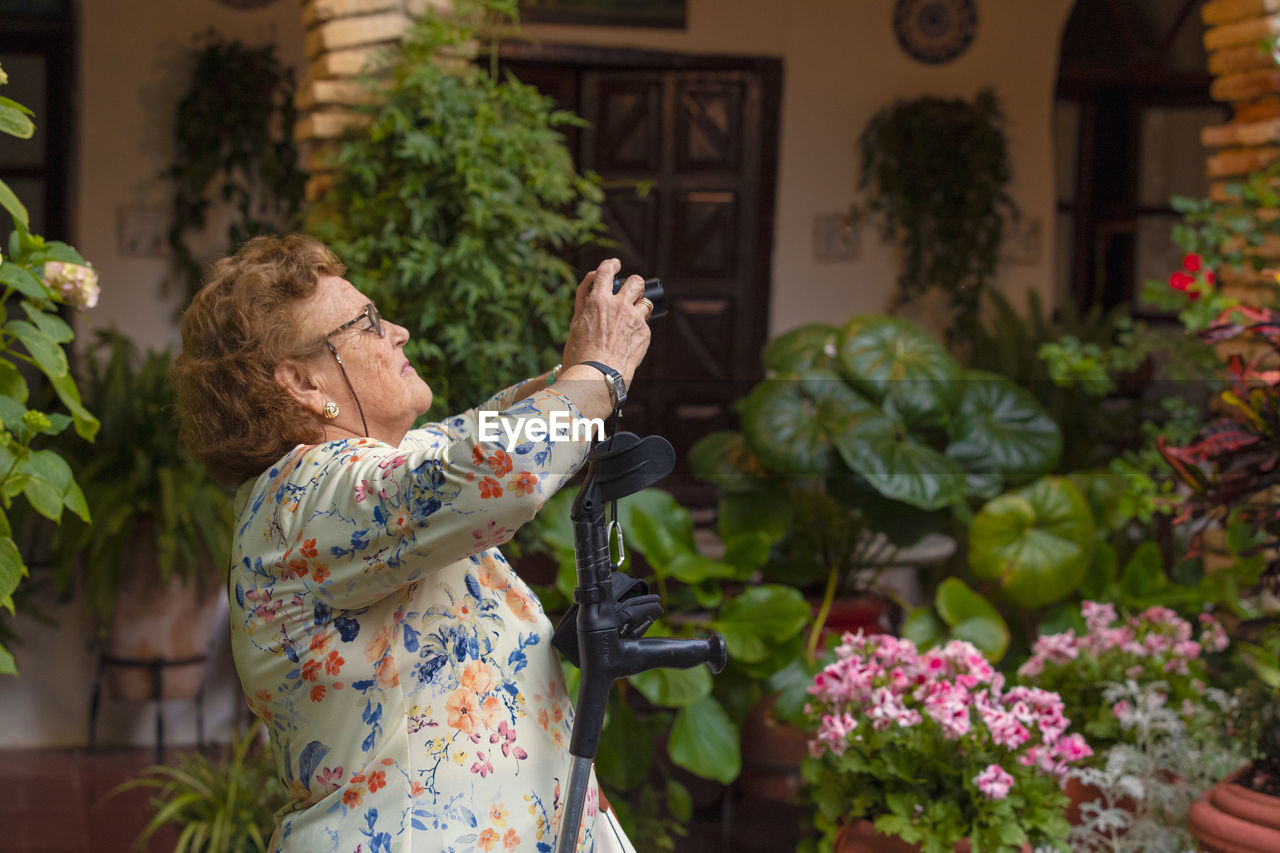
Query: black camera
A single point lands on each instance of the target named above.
(652, 291)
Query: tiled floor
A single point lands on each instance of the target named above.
(53, 802)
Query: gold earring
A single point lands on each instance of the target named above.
(330, 410)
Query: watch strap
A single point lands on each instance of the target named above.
(617, 385)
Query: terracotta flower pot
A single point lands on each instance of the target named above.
(1230, 818)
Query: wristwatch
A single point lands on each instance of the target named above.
(617, 385)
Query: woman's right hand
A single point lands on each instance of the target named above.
(607, 327)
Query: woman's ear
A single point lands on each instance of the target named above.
(298, 382)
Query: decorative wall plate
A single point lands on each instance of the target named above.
(935, 31)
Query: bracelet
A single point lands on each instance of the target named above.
(554, 375)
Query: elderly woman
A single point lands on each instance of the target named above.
(403, 670)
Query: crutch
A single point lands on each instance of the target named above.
(612, 611)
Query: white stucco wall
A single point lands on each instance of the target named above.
(841, 64)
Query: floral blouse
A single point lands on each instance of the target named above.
(404, 671)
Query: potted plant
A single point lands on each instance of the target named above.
(931, 748)
(937, 173)
(162, 527)
(216, 805)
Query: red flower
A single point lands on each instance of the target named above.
(1192, 262)
(1180, 281)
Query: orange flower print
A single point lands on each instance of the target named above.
(500, 462)
(319, 642)
(388, 675)
(377, 779)
(416, 789)
(378, 645)
(489, 710)
(490, 488)
(263, 696)
(461, 706)
(308, 549)
(491, 574)
(488, 839)
(320, 573)
(333, 663)
(478, 676)
(317, 692)
(510, 840)
(543, 720)
(311, 670)
(498, 814)
(296, 568)
(522, 607)
(352, 796)
(477, 456)
(524, 483)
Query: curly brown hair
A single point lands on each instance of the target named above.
(236, 418)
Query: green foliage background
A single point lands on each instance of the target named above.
(455, 210)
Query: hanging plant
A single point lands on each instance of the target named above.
(936, 171)
(233, 147)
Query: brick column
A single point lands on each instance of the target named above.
(1238, 38)
(342, 37)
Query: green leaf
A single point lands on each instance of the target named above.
(1143, 577)
(802, 349)
(1037, 542)
(747, 552)
(759, 618)
(791, 423)
(792, 683)
(12, 570)
(877, 351)
(51, 324)
(626, 747)
(8, 666)
(15, 119)
(673, 688)
(705, 742)
(694, 568)
(46, 352)
(972, 618)
(9, 201)
(45, 497)
(1000, 428)
(679, 801)
(12, 382)
(86, 424)
(19, 277)
(900, 466)
(924, 628)
(724, 459)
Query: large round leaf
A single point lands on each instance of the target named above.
(959, 613)
(878, 353)
(803, 349)
(705, 742)
(1037, 542)
(791, 423)
(899, 466)
(999, 428)
(903, 524)
(724, 459)
(673, 688)
(759, 618)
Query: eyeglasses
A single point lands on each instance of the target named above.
(369, 311)
(375, 320)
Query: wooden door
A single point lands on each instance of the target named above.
(700, 136)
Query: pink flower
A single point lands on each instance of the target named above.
(77, 285)
(1073, 748)
(994, 782)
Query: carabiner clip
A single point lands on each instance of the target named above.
(616, 528)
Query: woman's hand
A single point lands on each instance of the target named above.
(607, 327)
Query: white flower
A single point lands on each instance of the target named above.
(76, 284)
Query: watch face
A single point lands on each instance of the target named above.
(935, 31)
